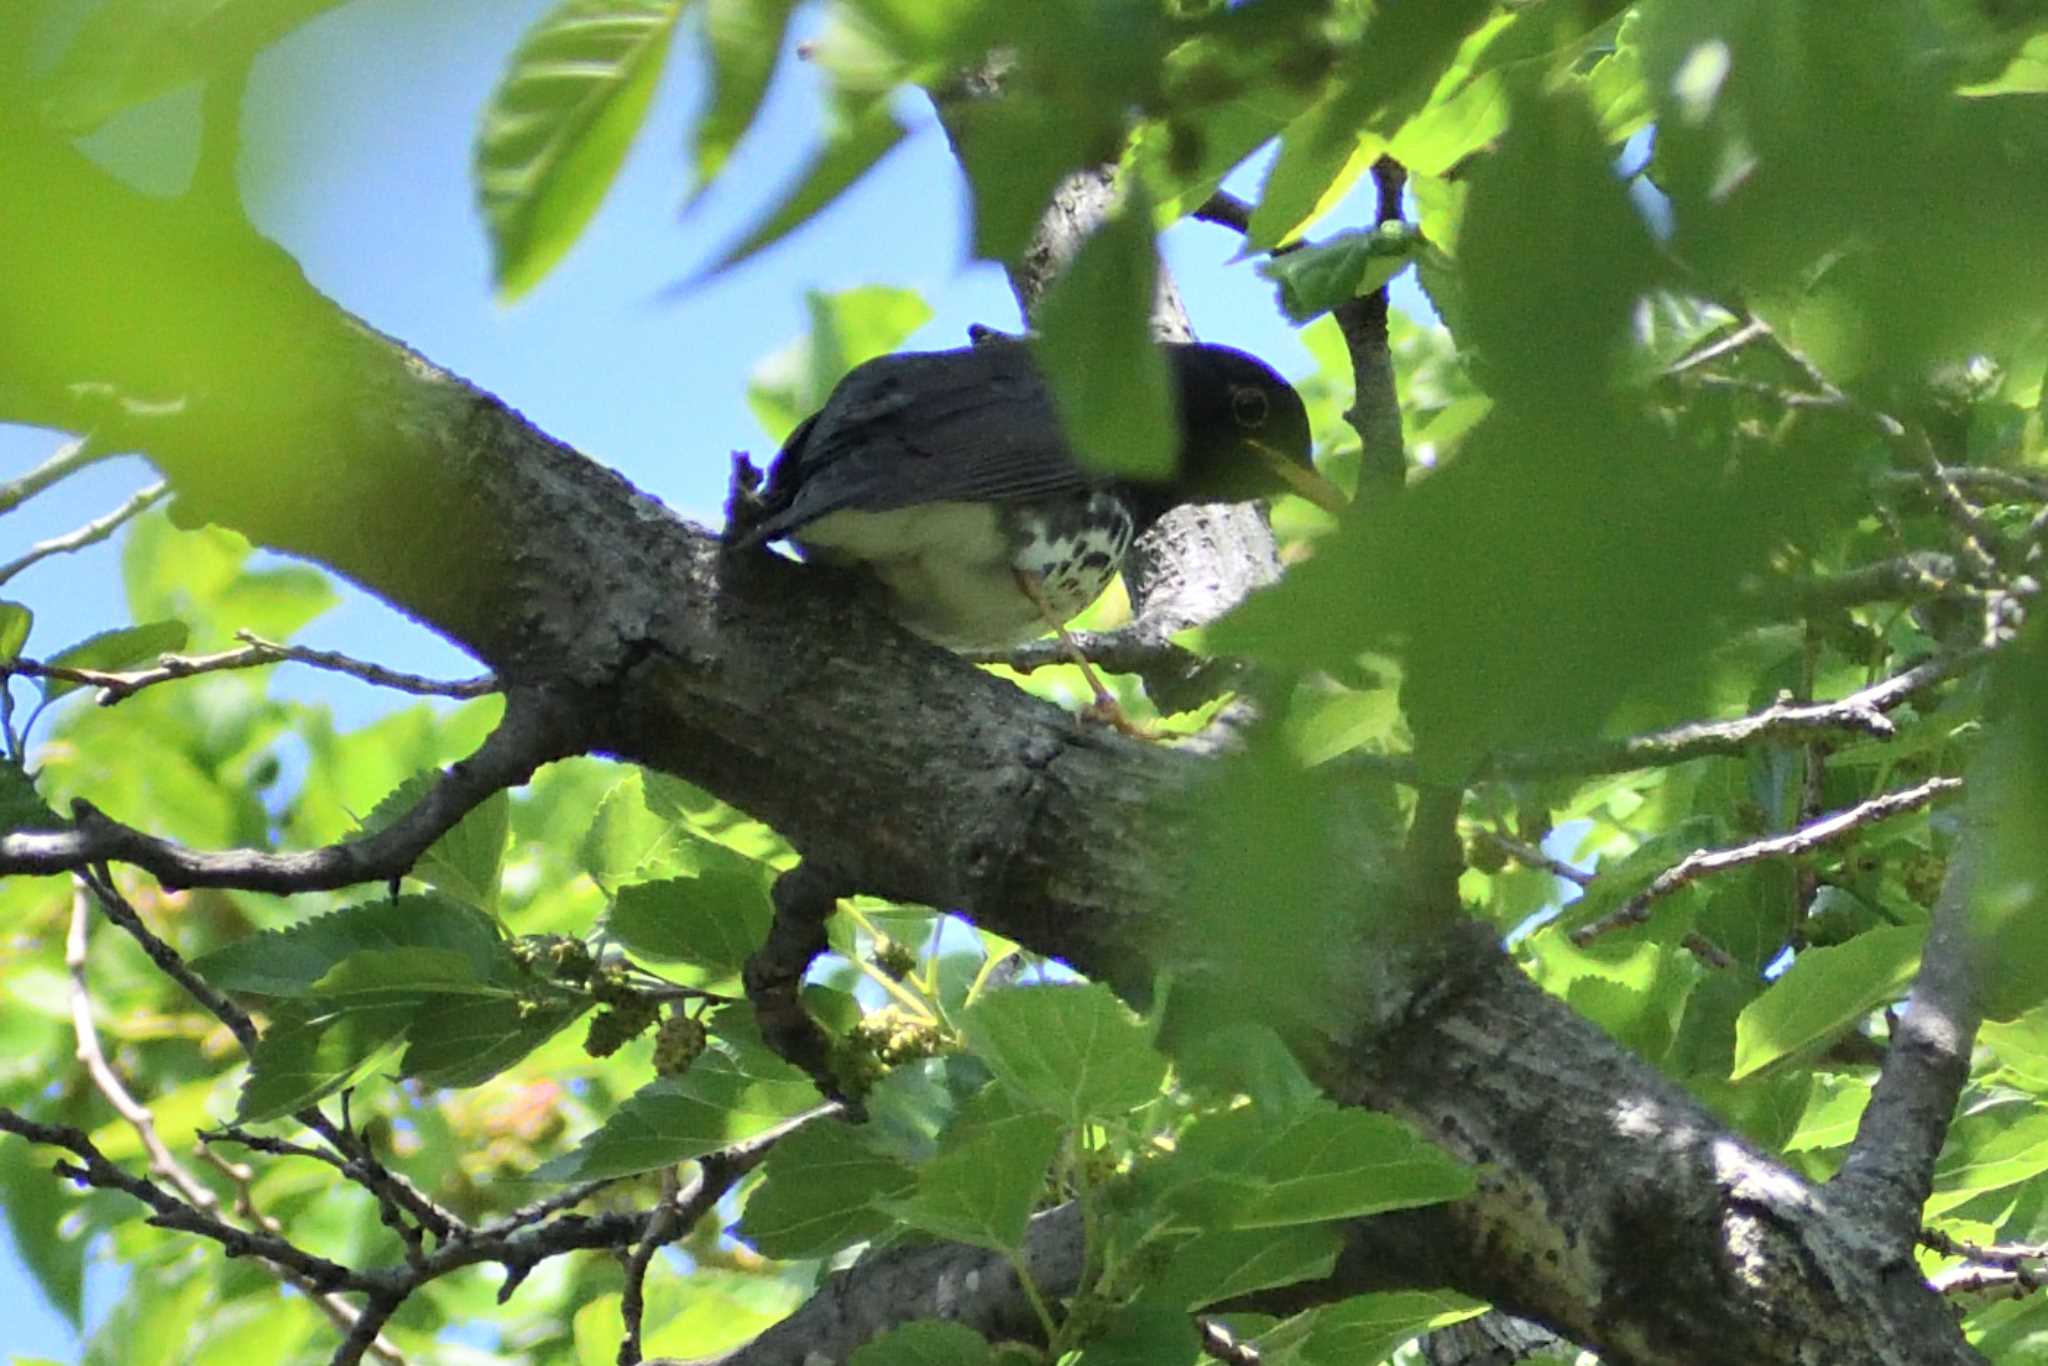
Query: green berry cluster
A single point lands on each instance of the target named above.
(678, 1043)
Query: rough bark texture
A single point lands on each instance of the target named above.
(1613, 1207)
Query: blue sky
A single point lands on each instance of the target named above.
(359, 131)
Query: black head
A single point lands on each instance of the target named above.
(1244, 431)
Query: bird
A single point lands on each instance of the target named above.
(943, 479)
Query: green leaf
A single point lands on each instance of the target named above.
(1325, 1164)
(1363, 1328)
(1316, 279)
(625, 837)
(1825, 991)
(847, 327)
(925, 1342)
(275, 603)
(129, 51)
(1107, 376)
(290, 962)
(1316, 167)
(557, 127)
(310, 1052)
(115, 650)
(1074, 1051)
(464, 863)
(15, 620)
(1015, 151)
(21, 806)
(714, 920)
(1227, 1262)
(457, 1040)
(37, 1209)
(860, 135)
(982, 1191)
(1989, 1154)
(743, 39)
(729, 1094)
(820, 1191)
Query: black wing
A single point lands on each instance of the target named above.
(923, 427)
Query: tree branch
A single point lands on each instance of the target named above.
(1804, 840)
(255, 654)
(535, 730)
(1889, 1171)
(98, 529)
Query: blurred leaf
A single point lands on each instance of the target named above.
(1075, 1051)
(15, 620)
(1316, 167)
(2021, 1046)
(1832, 1113)
(625, 838)
(925, 1342)
(2008, 802)
(820, 1192)
(275, 603)
(714, 920)
(1143, 1335)
(743, 41)
(982, 1191)
(558, 126)
(847, 327)
(1316, 279)
(1823, 992)
(859, 135)
(37, 1208)
(129, 51)
(727, 1095)
(115, 650)
(1015, 149)
(2027, 72)
(1107, 376)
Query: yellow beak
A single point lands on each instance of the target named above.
(1305, 480)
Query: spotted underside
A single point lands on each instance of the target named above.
(950, 569)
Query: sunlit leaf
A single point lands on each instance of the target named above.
(115, 650)
(558, 126)
(860, 135)
(983, 1190)
(1823, 992)
(926, 1342)
(820, 1192)
(743, 40)
(15, 620)
(1075, 1051)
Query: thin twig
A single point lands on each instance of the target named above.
(98, 529)
(255, 654)
(179, 1177)
(1719, 347)
(1804, 840)
(661, 1229)
(1530, 856)
(535, 730)
(70, 458)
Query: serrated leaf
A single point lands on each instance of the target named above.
(1363, 1328)
(15, 620)
(1824, 991)
(464, 863)
(1316, 279)
(1073, 1051)
(462, 1041)
(982, 1192)
(307, 1054)
(625, 837)
(1108, 378)
(557, 127)
(115, 650)
(925, 1342)
(289, 962)
(820, 1191)
(743, 40)
(729, 1094)
(1325, 1164)
(1228, 1262)
(714, 920)
(861, 135)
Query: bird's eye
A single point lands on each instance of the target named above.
(1248, 406)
